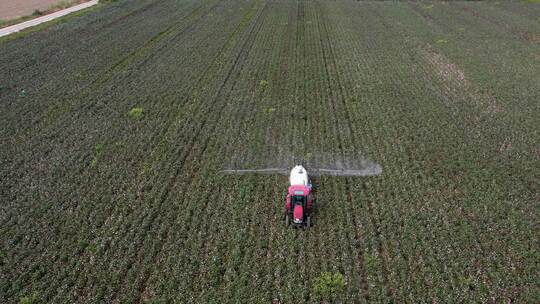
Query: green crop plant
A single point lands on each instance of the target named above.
(96, 153)
(33, 299)
(329, 285)
(136, 112)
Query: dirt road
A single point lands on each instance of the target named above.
(10, 9)
(33, 22)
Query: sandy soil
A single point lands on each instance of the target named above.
(50, 15)
(10, 9)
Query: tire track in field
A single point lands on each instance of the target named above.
(390, 29)
(205, 145)
(282, 83)
(205, 244)
(148, 44)
(395, 79)
(486, 277)
(57, 115)
(434, 254)
(305, 241)
(481, 96)
(311, 90)
(292, 242)
(265, 137)
(525, 36)
(190, 20)
(147, 49)
(254, 115)
(58, 111)
(332, 72)
(527, 11)
(223, 148)
(208, 69)
(134, 13)
(310, 87)
(268, 135)
(364, 185)
(439, 263)
(328, 133)
(74, 59)
(248, 248)
(218, 96)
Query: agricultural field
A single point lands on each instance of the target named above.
(115, 125)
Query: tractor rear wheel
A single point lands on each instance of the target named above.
(308, 222)
(287, 220)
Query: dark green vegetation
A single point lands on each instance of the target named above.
(97, 206)
(329, 286)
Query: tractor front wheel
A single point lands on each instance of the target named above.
(308, 222)
(287, 220)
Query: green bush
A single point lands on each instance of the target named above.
(329, 286)
(98, 149)
(136, 112)
(33, 299)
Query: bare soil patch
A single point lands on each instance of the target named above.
(12, 9)
(456, 81)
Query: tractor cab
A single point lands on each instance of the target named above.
(298, 206)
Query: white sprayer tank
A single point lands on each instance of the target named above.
(299, 176)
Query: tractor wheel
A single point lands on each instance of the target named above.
(308, 222)
(287, 220)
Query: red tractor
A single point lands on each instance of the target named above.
(298, 206)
